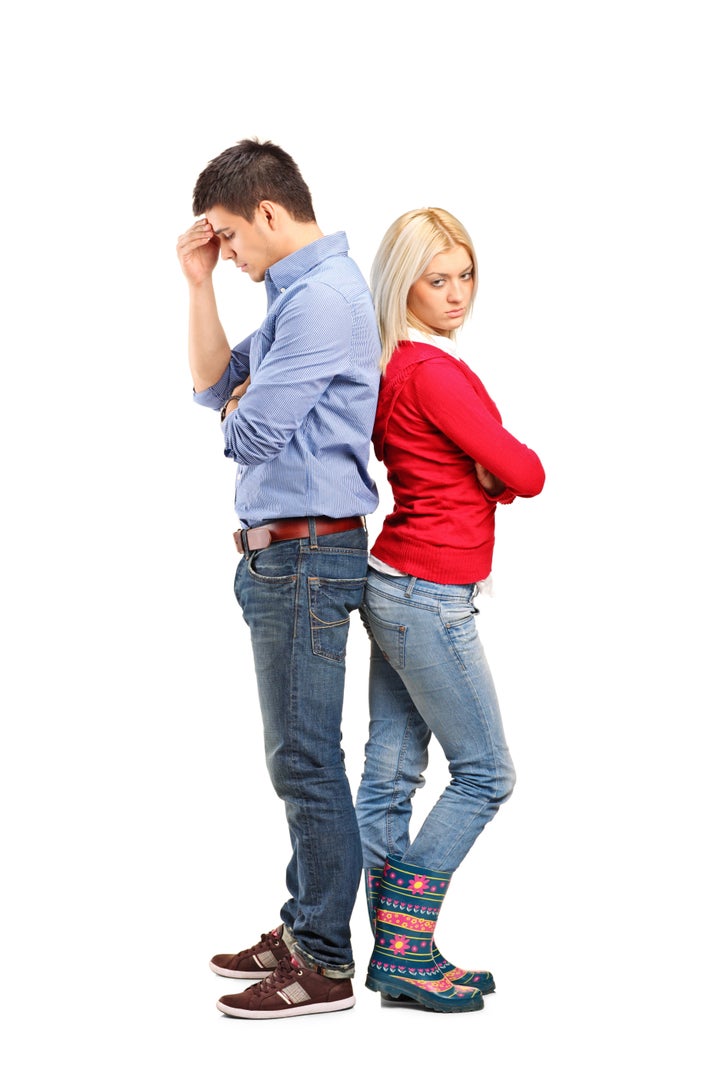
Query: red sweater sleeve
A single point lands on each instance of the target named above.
(454, 399)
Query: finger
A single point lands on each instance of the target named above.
(188, 243)
(199, 228)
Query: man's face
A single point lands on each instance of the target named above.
(247, 243)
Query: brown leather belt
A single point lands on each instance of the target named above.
(291, 529)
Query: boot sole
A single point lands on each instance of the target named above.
(390, 991)
(404, 997)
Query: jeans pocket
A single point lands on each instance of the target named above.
(276, 564)
(390, 638)
(330, 602)
(458, 618)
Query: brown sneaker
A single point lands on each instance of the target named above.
(291, 990)
(254, 963)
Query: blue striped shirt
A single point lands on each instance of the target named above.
(301, 434)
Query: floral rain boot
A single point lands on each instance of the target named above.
(402, 965)
(478, 980)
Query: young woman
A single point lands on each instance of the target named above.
(449, 461)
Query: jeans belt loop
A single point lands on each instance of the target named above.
(312, 533)
(410, 586)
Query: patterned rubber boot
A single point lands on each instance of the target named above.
(402, 965)
(478, 980)
(373, 877)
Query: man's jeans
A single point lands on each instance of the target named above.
(296, 596)
(428, 676)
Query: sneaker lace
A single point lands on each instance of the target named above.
(283, 973)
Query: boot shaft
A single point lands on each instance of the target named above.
(409, 899)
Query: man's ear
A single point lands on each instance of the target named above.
(269, 214)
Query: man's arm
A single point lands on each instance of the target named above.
(307, 353)
(208, 348)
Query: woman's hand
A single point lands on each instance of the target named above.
(488, 481)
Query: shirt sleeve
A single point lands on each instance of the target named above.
(310, 347)
(453, 398)
(235, 373)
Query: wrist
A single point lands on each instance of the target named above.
(228, 407)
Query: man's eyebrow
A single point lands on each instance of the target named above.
(216, 232)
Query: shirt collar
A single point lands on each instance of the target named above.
(445, 343)
(284, 273)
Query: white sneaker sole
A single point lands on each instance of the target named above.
(296, 1010)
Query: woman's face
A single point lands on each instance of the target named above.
(440, 298)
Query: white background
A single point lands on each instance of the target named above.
(578, 142)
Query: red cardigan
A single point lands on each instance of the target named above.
(435, 419)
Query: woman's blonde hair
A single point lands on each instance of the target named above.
(406, 250)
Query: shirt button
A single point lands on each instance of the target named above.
(282, 290)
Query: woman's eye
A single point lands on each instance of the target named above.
(436, 284)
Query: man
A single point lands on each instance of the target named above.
(297, 403)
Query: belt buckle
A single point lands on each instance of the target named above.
(258, 538)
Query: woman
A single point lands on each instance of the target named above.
(449, 462)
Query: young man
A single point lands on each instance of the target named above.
(297, 403)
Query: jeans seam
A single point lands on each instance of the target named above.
(396, 788)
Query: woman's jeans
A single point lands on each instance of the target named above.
(296, 596)
(428, 676)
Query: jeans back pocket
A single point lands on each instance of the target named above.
(330, 603)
